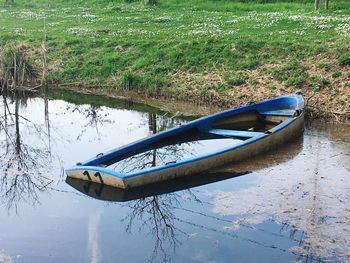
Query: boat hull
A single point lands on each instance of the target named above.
(291, 128)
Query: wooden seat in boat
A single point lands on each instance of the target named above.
(235, 133)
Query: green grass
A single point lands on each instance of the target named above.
(135, 46)
(344, 59)
(292, 73)
(237, 79)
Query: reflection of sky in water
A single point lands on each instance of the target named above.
(310, 192)
(296, 193)
(171, 154)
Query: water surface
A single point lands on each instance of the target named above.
(291, 205)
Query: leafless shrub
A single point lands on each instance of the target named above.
(17, 66)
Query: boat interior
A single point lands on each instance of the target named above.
(221, 133)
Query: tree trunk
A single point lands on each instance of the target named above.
(326, 4)
(317, 5)
(18, 136)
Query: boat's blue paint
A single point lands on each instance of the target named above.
(286, 113)
(96, 169)
(234, 133)
(291, 102)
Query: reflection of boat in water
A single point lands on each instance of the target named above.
(109, 193)
(225, 137)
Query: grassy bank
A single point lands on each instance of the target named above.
(219, 52)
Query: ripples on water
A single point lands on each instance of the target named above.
(291, 205)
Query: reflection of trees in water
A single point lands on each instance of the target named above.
(95, 115)
(160, 156)
(157, 214)
(158, 123)
(165, 155)
(21, 162)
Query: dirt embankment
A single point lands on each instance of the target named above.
(327, 105)
(326, 85)
(326, 91)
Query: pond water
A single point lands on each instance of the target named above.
(291, 205)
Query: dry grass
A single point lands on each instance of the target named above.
(331, 101)
(19, 66)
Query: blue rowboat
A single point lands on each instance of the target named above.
(226, 137)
